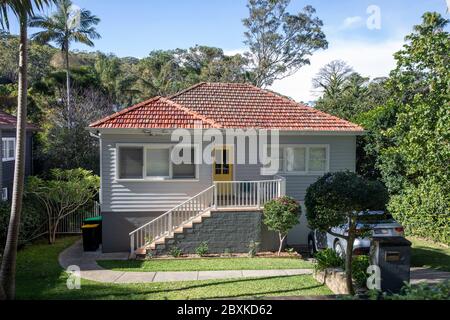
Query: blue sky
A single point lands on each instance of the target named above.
(135, 27)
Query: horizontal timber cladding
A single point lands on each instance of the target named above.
(160, 196)
(144, 196)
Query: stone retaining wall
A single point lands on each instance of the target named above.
(333, 279)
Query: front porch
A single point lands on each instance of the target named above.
(239, 197)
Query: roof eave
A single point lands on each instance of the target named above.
(282, 131)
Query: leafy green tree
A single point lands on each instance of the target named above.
(338, 199)
(22, 9)
(69, 148)
(161, 74)
(347, 94)
(165, 72)
(417, 153)
(66, 25)
(280, 43)
(210, 64)
(332, 78)
(63, 194)
(281, 215)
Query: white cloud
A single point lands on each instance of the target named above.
(352, 22)
(233, 52)
(369, 59)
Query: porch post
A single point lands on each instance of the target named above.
(258, 195)
(215, 196)
(132, 244)
(170, 223)
(282, 186)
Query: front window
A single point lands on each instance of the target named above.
(305, 159)
(153, 162)
(317, 159)
(131, 162)
(296, 159)
(185, 170)
(158, 163)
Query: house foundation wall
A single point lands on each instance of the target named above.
(232, 231)
(116, 227)
(226, 231)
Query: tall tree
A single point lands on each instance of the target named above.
(331, 78)
(22, 9)
(280, 43)
(68, 24)
(415, 161)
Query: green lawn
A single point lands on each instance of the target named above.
(210, 264)
(39, 276)
(428, 254)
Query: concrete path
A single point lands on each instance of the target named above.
(90, 270)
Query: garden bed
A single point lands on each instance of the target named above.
(206, 264)
(268, 254)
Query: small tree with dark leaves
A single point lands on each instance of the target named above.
(337, 199)
(281, 215)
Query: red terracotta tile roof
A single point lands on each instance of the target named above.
(8, 121)
(226, 105)
(155, 113)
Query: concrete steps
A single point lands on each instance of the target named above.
(163, 244)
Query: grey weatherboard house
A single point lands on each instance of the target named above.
(8, 152)
(150, 202)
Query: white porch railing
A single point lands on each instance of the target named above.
(252, 194)
(234, 194)
(172, 219)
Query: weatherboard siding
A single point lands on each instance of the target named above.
(143, 196)
(154, 196)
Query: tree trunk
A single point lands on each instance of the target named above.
(281, 243)
(55, 228)
(66, 60)
(349, 257)
(49, 231)
(8, 268)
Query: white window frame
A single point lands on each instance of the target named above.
(147, 146)
(4, 194)
(307, 172)
(5, 141)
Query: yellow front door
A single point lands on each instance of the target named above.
(223, 164)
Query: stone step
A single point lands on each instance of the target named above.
(160, 244)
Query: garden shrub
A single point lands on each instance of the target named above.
(202, 249)
(360, 275)
(227, 253)
(424, 211)
(281, 215)
(175, 252)
(327, 258)
(422, 291)
(33, 222)
(253, 248)
(64, 194)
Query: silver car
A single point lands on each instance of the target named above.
(378, 224)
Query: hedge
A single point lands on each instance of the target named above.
(424, 211)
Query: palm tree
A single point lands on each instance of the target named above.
(22, 9)
(68, 24)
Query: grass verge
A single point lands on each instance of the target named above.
(429, 254)
(39, 276)
(207, 264)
